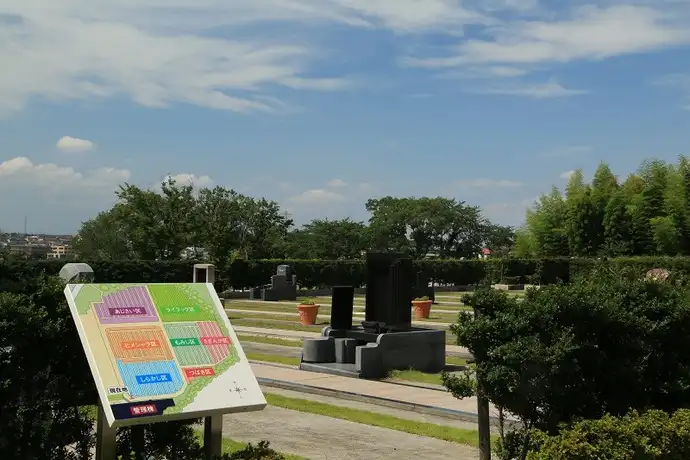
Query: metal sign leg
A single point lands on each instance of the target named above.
(213, 436)
(105, 437)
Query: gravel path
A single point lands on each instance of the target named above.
(323, 438)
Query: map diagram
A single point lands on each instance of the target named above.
(162, 352)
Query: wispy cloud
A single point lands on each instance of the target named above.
(227, 55)
(550, 89)
(519, 47)
(567, 174)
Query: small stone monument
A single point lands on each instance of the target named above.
(283, 286)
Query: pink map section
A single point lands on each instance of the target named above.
(218, 352)
(130, 305)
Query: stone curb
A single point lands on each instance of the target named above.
(386, 402)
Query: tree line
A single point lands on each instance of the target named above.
(648, 213)
(222, 225)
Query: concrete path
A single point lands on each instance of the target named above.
(399, 413)
(288, 334)
(318, 437)
(430, 324)
(369, 388)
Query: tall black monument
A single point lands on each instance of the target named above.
(390, 277)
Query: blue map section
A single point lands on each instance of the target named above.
(151, 378)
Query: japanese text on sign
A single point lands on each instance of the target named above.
(153, 378)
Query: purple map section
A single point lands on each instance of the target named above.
(130, 305)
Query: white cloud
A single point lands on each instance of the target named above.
(74, 144)
(159, 53)
(21, 171)
(550, 89)
(487, 183)
(192, 179)
(337, 183)
(317, 196)
(589, 32)
(567, 174)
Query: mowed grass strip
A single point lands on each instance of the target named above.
(261, 322)
(323, 317)
(271, 340)
(403, 376)
(430, 430)
(269, 358)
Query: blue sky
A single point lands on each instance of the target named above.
(322, 104)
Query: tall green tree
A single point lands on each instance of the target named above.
(547, 224)
(617, 226)
(329, 239)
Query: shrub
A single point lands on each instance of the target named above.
(47, 391)
(581, 350)
(650, 436)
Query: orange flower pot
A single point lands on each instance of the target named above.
(307, 314)
(422, 308)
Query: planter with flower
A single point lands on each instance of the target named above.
(422, 307)
(308, 310)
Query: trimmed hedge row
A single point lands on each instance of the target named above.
(243, 274)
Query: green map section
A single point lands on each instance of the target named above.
(175, 303)
(182, 302)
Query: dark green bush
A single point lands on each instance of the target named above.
(597, 346)
(650, 436)
(47, 392)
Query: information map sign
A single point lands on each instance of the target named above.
(161, 352)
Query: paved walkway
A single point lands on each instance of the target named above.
(318, 437)
(430, 324)
(288, 334)
(369, 388)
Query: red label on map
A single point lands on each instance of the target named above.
(143, 409)
(139, 344)
(197, 372)
(215, 340)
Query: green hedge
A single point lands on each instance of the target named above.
(242, 274)
(650, 436)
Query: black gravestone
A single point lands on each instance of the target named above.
(342, 304)
(390, 277)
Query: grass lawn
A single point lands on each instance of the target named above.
(409, 375)
(295, 326)
(271, 340)
(430, 430)
(278, 359)
(323, 319)
(323, 309)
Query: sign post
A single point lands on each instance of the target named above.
(213, 425)
(160, 352)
